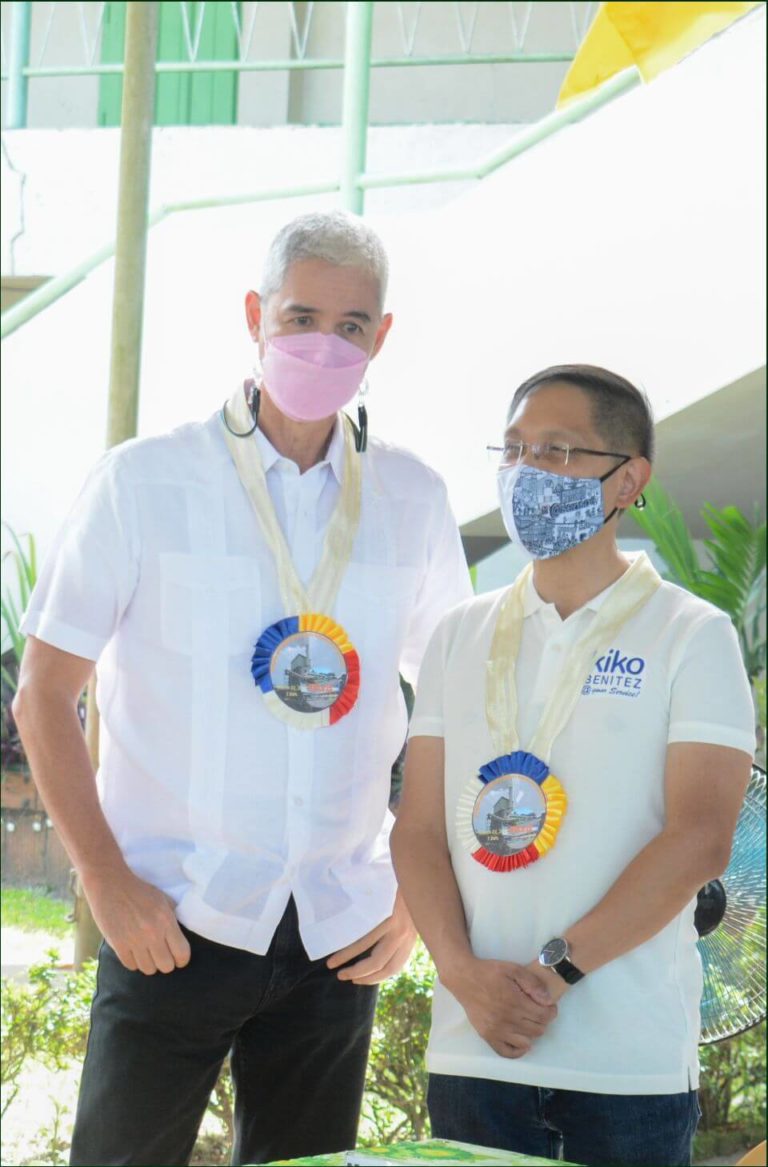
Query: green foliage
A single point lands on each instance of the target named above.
(760, 694)
(395, 1105)
(45, 1021)
(733, 1072)
(31, 909)
(52, 1142)
(734, 577)
(14, 600)
(733, 1082)
(759, 687)
(222, 1101)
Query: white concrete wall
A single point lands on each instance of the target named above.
(70, 189)
(499, 93)
(633, 240)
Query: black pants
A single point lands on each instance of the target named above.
(299, 1040)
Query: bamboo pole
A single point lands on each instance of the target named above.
(127, 308)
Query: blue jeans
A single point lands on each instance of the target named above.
(618, 1130)
(298, 1038)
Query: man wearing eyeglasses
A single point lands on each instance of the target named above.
(578, 755)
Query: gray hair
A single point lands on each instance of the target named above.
(333, 236)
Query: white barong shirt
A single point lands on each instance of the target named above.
(162, 576)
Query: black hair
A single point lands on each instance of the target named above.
(621, 413)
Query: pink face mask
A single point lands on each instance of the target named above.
(312, 375)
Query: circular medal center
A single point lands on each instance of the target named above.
(508, 814)
(308, 672)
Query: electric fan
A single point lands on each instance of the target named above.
(730, 920)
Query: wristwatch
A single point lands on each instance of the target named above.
(555, 954)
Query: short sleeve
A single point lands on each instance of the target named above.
(711, 700)
(446, 583)
(427, 717)
(91, 570)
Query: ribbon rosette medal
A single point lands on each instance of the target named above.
(307, 670)
(509, 814)
(304, 664)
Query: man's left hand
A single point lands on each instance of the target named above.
(391, 943)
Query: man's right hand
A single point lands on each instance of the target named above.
(138, 921)
(506, 1003)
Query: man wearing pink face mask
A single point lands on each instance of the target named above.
(250, 588)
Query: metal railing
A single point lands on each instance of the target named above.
(18, 67)
(353, 180)
(357, 180)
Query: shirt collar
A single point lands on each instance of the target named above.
(333, 458)
(533, 602)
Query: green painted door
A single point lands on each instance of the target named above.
(181, 99)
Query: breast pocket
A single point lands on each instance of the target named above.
(210, 602)
(375, 603)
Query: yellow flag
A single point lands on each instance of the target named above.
(651, 36)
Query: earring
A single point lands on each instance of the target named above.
(640, 502)
(361, 433)
(253, 397)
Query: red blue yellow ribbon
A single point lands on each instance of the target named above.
(270, 643)
(523, 765)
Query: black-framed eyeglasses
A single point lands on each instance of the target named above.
(547, 455)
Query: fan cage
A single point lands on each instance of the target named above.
(733, 955)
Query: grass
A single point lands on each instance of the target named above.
(730, 1141)
(32, 909)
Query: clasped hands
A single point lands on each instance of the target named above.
(510, 1005)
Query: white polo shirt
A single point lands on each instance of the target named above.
(674, 675)
(161, 574)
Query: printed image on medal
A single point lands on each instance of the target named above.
(508, 814)
(308, 672)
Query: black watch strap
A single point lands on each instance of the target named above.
(568, 971)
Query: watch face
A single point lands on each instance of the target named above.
(553, 952)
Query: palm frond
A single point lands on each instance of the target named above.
(663, 522)
(733, 579)
(16, 595)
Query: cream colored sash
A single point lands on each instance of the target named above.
(320, 594)
(632, 591)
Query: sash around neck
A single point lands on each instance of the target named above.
(320, 593)
(628, 595)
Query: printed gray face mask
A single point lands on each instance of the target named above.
(548, 514)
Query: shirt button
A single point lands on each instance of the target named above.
(298, 801)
